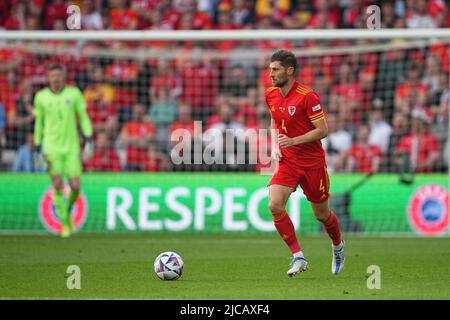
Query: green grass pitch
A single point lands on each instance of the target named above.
(220, 267)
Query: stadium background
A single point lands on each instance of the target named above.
(375, 92)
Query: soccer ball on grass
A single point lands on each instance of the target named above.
(168, 266)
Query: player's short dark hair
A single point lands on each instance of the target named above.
(56, 66)
(286, 58)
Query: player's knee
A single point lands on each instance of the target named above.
(321, 214)
(275, 207)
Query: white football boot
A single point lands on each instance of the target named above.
(338, 259)
(297, 265)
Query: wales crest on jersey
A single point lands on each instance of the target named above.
(291, 110)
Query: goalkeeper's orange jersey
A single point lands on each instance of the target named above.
(294, 115)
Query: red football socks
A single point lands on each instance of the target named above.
(331, 225)
(285, 228)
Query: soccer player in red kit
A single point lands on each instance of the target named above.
(299, 121)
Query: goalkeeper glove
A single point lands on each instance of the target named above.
(88, 150)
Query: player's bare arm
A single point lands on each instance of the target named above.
(275, 153)
(319, 132)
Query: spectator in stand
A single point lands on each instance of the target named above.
(321, 84)
(445, 156)
(144, 9)
(438, 10)
(136, 135)
(337, 144)
(350, 92)
(210, 6)
(439, 104)
(400, 125)
(300, 15)
(155, 21)
(165, 75)
(388, 14)
(417, 16)
(248, 109)
(9, 92)
(185, 22)
(215, 117)
(432, 74)
(105, 157)
(16, 19)
(367, 84)
(58, 25)
(171, 14)
(35, 8)
(158, 21)
(56, 10)
(326, 16)
(25, 157)
(122, 16)
(200, 83)
(123, 74)
(411, 91)
(224, 17)
(4, 12)
(419, 145)
(22, 120)
(242, 14)
(91, 18)
(225, 22)
(277, 9)
(184, 121)
(198, 20)
(162, 114)
(106, 21)
(156, 161)
(380, 129)
(122, 70)
(100, 104)
(32, 23)
(183, 131)
(236, 82)
(226, 135)
(143, 80)
(351, 14)
(389, 74)
(84, 77)
(364, 157)
(268, 21)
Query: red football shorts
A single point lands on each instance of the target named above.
(315, 183)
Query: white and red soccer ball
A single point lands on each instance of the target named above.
(168, 266)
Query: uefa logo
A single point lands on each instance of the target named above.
(49, 217)
(428, 211)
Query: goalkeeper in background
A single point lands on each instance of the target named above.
(56, 109)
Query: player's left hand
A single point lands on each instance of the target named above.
(88, 150)
(285, 141)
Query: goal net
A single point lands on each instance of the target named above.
(180, 129)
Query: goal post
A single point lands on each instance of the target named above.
(385, 92)
(219, 35)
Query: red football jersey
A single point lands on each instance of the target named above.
(294, 115)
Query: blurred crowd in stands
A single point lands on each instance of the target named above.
(387, 109)
(221, 14)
